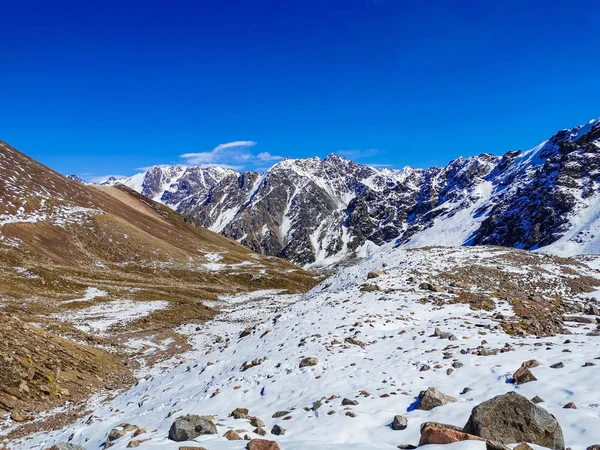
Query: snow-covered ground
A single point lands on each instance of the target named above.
(98, 319)
(371, 347)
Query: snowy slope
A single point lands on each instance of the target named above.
(382, 366)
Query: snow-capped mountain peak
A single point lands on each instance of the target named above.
(313, 210)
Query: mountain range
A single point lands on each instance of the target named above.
(317, 211)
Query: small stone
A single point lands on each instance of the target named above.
(522, 446)
(277, 430)
(310, 361)
(348, 402)
(136, 443)
(66, 446)
(493, 445)
(232, 435)
(570, 405)
(279, 414)
(399, 423)
(239, 413)
(260, 431)
(256, 422)
(375, 274)
(558, 365)
(537, 400)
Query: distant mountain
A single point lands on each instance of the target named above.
(321, 210)
(76, 178)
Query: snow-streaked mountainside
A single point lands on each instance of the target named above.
(458, 320)
(321, 210)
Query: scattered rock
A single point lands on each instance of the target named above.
(352, 341)
(246, 332)
(558, 365)
(399, 423)
(256, 422)
(348, 402)
(277, 430)
(260, 431)
(511, 418)
(523, 446)
(137, 442)
(232, 435)
(432, 398)
(239, 413)
(531, 364)
(262, 444)
(439, 425)
(537, 400)
(570, 405)
(375, 274)
(493, 445)
(430, 287)
(186, 428)
(437, 435)
(310, 361)
(250, 364)
(523, 375)
(66, 446)
(279, 414)
(369, 288)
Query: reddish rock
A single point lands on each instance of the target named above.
(262, 444)
(437, 435)
(231, 435)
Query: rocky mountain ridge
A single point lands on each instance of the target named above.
(323, 210)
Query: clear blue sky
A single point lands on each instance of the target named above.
(105, 87)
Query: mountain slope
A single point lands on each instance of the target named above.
(315, 211)
(110, 269)
(457, 320)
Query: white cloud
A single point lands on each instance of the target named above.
(359, 154)
(234, 154)
(266, 156)
(96, 179)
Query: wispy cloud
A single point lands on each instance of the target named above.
(359, 154)
(99, 178)
(231, 154)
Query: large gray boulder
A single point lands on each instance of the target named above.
(186, 428)
(512, 418)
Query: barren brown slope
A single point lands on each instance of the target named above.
(59, 238)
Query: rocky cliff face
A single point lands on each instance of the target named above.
(314, 210)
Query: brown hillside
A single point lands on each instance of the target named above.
(60, 238)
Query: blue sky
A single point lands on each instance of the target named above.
(101, 88)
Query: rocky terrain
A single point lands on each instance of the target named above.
(473, 348)
(93, 283)
(318, 211)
